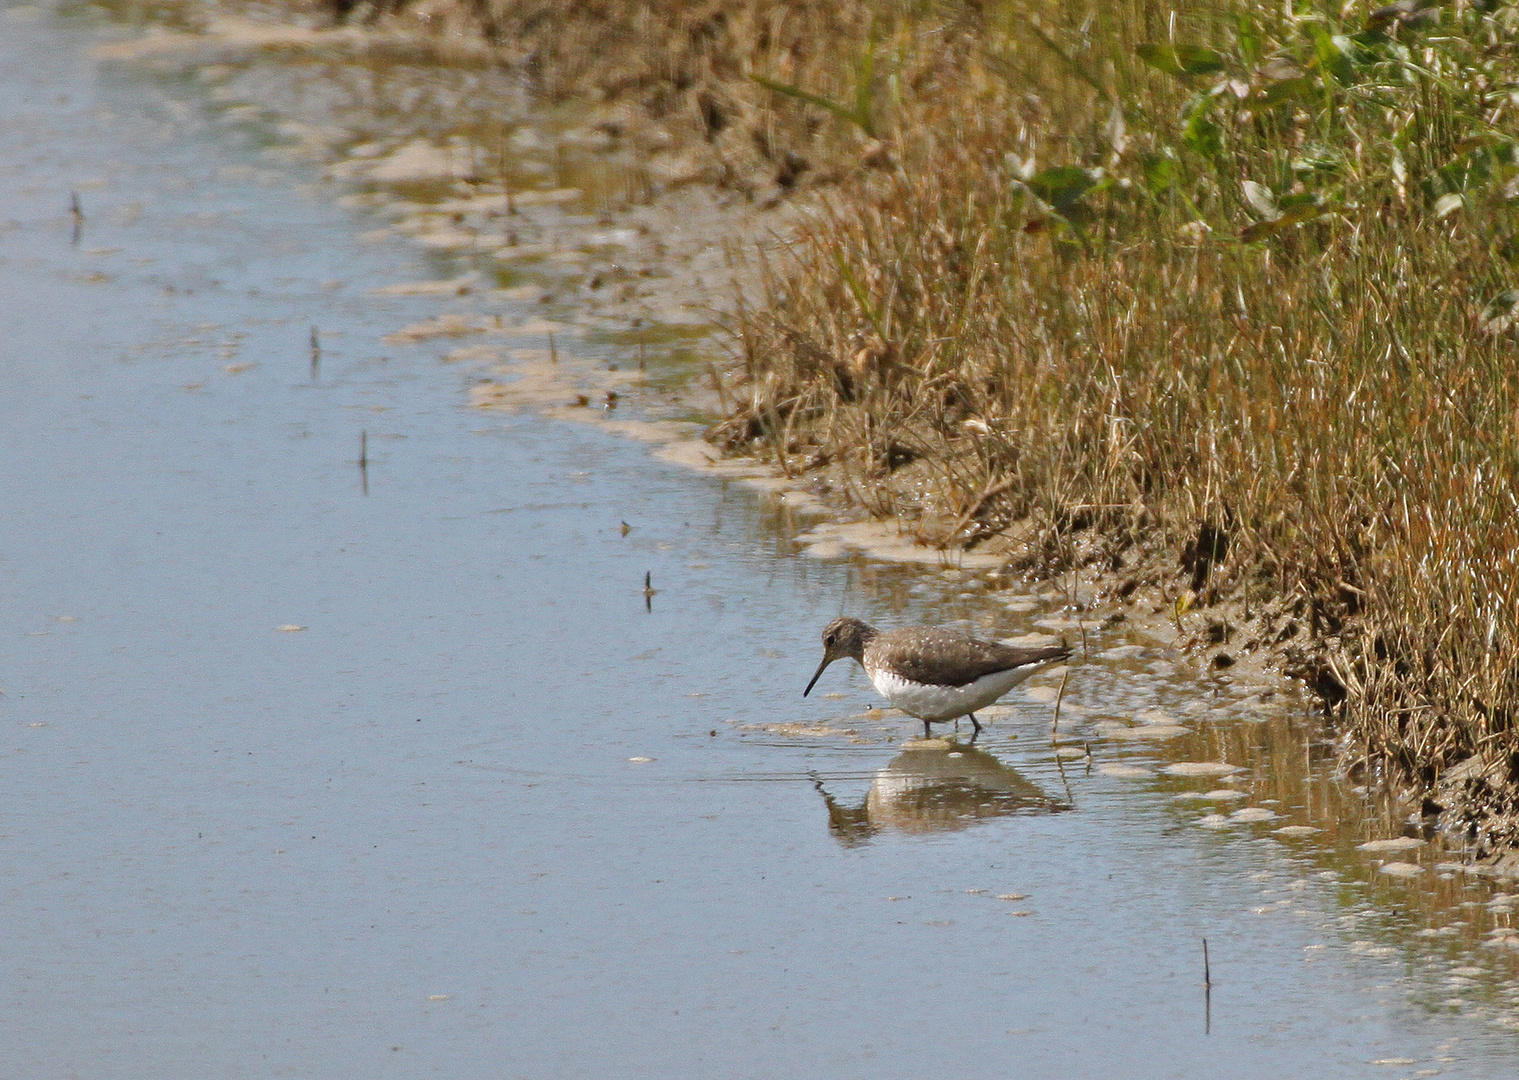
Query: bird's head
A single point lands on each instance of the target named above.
(843, 637)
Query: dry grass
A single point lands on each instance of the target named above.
(1253, 311)
(1226, 279)
(683, 66)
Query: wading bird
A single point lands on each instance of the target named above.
(932, 673)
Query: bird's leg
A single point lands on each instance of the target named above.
(975, 724)
(927, 734)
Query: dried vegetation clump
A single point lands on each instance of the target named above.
(684, 81)
(1221, 282)
(1215, 298)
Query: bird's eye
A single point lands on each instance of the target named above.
(829, 639)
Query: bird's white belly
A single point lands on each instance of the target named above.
(928, 702)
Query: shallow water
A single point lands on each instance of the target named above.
(487, 812)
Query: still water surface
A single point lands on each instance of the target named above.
(487, 814)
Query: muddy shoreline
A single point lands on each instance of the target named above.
(465, 817)
(648, 235)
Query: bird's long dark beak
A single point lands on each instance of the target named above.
(819, 673)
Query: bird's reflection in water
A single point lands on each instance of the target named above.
(936, 785)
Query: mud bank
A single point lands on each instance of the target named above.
(651, 203)
(1040, 318)
(1160, 755)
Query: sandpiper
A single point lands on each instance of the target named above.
(930, 672)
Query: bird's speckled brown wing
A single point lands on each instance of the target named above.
(939, 657)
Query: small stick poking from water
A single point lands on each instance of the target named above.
(316, 352)
(717, 384)
(1059, 697)
(553, 352)
(648, 590)
(77, 212)
(364, 460)
(1207, 992)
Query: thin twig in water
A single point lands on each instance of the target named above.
(1207, 992)
(1054, 730)
(1064, 780)
(717, 384)
(1059, 697)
